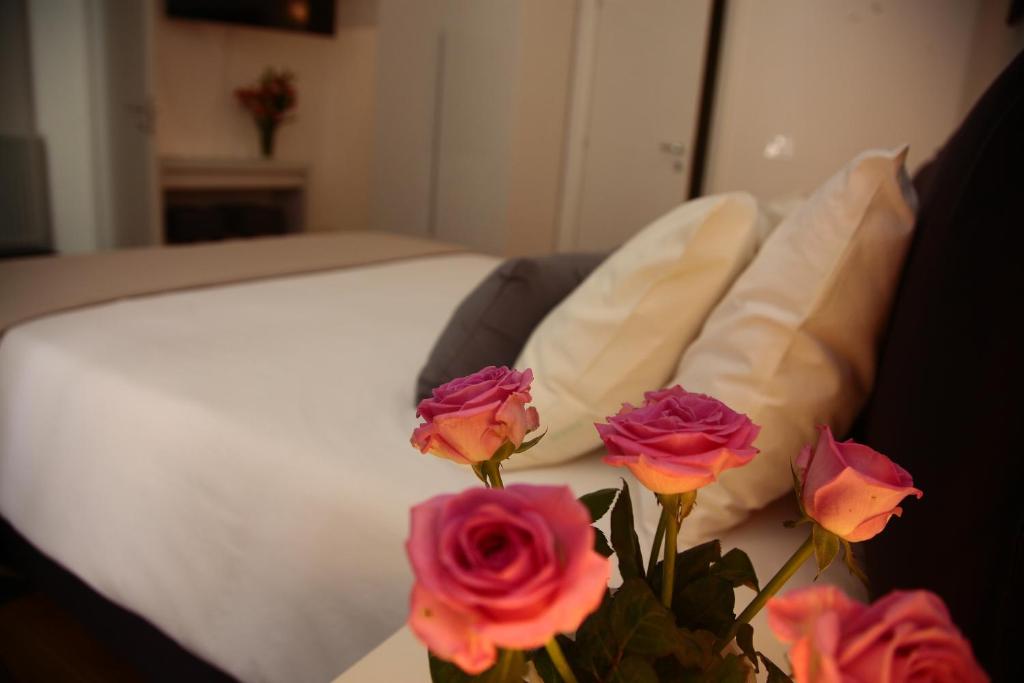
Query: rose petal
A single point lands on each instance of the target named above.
(449, 633)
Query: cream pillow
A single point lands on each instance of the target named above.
(621, 332)
(793, 343)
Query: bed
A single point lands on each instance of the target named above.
(221, 449)
(199, 443)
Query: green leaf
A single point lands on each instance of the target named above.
(601, 543)
(798, 488)
(593, 647)
(510, 668)
(633, 669)
(691, 564)
(624, 538)
(478, 470)
(640, 625)
(794, 523)
(706, 603)
(598, 502)
(851, 564)
(695, 562)
(826, 547)
(545, 667)
(745, 641)
(730, 669)
(527, 445)
(695, 649)
(736, 568)
(504, 452)
(775, 674)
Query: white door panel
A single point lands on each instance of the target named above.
(647, 66)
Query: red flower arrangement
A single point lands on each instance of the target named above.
(269, 100)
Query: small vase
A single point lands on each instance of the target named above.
(267, 131)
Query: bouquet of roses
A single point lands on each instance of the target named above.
(269, 100)
(512, 582)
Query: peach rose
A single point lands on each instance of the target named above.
(678, 441)
(850, 489)
(505, 568)
(469, 418)
(904, 636)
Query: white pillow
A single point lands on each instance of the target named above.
(793, 344)
(621, 332)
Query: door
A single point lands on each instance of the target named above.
(632, 164)
(124, 68)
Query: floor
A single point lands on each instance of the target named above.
(41, 642)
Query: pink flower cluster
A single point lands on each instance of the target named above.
(678, 441)
(501, 568)
(511, 568)
(469, 418)
(904, 636)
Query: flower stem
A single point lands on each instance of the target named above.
(784, 574)
(558, 659)
(670, 515)
(659, 534)
(675, 507)
(490, 468)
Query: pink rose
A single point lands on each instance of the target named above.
(903, 636)
(850, 489)
(505, 568)
(678, 441)
(469, 418)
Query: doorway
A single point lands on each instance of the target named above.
(633, 126)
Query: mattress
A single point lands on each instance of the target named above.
(233, 463)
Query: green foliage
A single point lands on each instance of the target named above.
(736, 568)
(634, 669)
(745, 641)
(527, 445)
(598, 502)
(728, 669)
(640, 625)
(624, 538)
(775, 674)
(851, 564)
(632, 637)
(826, 547)
(706, 603)
(510, 668)
(601, 543)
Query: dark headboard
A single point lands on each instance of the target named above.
(949, 396)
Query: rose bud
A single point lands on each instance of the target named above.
(902, 637)
(469, 418)
(504, 568)
(678, 441)
(850, 489)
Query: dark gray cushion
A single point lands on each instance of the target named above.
(492, 324)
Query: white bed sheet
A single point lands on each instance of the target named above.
(233, 463)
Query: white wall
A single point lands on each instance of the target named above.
(199, 64)
(408, 75)
(472, 103)
(62, 57)
(481, 39)
(993, 46)
(838, 76)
